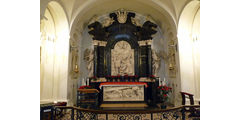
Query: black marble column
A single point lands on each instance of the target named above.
(149, 56)
(136, 61)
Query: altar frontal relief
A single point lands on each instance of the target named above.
(122, 59)
(123, 93)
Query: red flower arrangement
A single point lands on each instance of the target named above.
(152, 76)
(86, 87)
(164, 91)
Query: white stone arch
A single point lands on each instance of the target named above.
(54, 54)
(188, 45)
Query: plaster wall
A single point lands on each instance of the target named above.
(54, 54)
(188, 35)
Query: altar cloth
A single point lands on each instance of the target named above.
(122, 83)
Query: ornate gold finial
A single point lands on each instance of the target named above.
(121, 15)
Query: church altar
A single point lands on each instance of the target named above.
(121, 61)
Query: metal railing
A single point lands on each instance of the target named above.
(176, 113)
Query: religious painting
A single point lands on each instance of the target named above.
(122, 61)
(123, 93)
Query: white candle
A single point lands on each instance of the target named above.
(83, 82)
(87, 81)
(164, 81)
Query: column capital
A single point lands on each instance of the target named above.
(99, 43)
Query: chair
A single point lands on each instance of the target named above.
(190, 96)
(193, 112)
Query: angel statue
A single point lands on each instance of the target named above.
(156, 62)
(89, 59)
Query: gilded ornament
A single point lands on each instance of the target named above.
(121, 16)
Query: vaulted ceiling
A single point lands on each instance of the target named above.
(81, 11)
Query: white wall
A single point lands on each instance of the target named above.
(54, 54)
(188, 36)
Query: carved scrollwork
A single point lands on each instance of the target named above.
(107, 22)
(136, 22)
(102, 30)
(147, 30)
(97, 31)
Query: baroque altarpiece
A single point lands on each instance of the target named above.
(122, 55)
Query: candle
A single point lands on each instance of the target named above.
(87, 81)
(164, 81)
(83, 82)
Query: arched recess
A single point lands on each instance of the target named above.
(54, 54)
(188, 40)
(82, 40)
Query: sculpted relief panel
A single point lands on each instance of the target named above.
(122, 61)
(123, 93)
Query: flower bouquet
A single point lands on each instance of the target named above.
(163, 92)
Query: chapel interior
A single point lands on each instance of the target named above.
(119, 59)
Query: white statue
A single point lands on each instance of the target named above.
(156, 62)
(89, 58)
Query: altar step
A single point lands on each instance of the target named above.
(124, 105)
